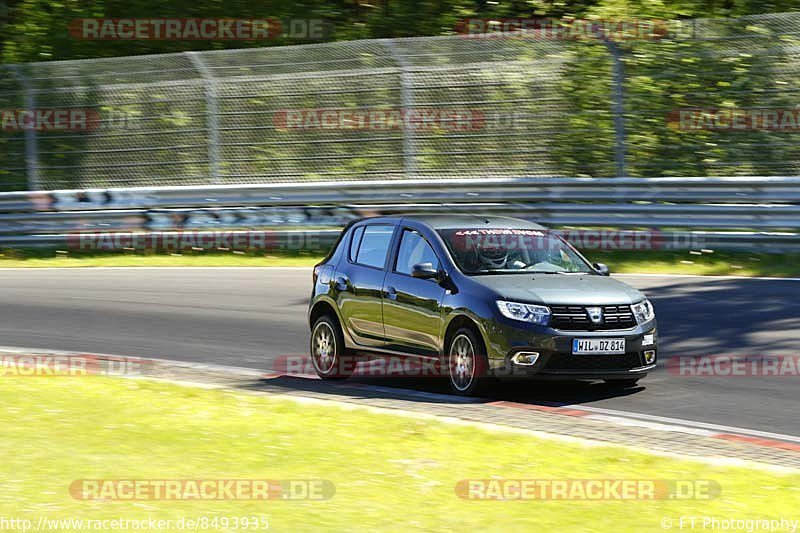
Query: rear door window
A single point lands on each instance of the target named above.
(374, 245)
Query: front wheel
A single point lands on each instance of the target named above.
(467, 363)
(327, 350)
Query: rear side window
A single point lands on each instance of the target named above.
(374, 245)
(355, 241)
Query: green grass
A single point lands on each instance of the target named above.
(718, 263)
(53, 258)
(390, 473)
(658, 262)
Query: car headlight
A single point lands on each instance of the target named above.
(535, 314)
(643, 311)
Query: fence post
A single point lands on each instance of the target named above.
(210, 85)
(31, 142)
(618, 105)
(407, 103)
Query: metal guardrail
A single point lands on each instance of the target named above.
(744, 213)
(688, 189)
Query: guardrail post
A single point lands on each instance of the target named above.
(31, 142)
(618, 105)
(407, 103)
(210, 85)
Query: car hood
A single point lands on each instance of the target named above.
(572, 289)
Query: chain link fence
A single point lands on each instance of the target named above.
(437, 107)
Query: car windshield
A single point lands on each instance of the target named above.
(512, 251)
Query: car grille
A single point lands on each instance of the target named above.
(564, 361)
(575, 318)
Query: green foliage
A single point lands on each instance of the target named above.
(549, 104)
(36, 30)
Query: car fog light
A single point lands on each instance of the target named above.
(525, 358)
(649, 339)
(649, 357)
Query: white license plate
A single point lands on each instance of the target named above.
(602, 346)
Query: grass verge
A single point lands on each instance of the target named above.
(717, 263)
(656, 262)
(390, 473)
(58, 259)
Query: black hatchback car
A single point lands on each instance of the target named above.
(484, 297)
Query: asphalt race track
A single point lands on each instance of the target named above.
(247, 317)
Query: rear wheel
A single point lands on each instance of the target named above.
(467, 363)
(327, 350)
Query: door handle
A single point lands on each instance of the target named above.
(343, 283)
(391, 293)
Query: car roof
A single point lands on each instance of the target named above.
(462, 221)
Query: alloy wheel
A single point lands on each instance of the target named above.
(462, 363)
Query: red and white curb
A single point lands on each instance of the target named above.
(788, 443)
(659, 423)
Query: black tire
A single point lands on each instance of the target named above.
(466, 379)
(622, 383)
(327, 340)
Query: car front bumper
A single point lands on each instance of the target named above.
(555, 359)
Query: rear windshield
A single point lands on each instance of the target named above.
(510, 250)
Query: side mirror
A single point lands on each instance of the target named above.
(601, 269)
(424, 271)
